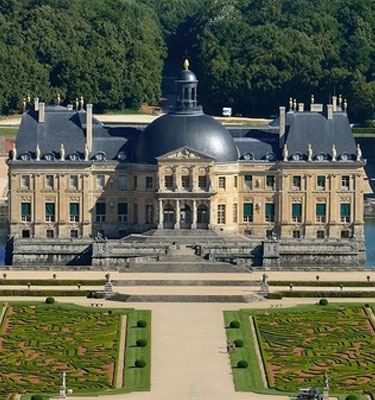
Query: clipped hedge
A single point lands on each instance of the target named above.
(141, 343)
(238, 343)
(50, 300)
(242, 364)
(320, 283)
(141, 323)
(323, 302)
(235, 324)
(51, 282)
(42, 292)
(140, 363)
(326, 293)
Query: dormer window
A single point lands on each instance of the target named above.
(345, 156)
(121, 156)
(321, 157)
(74, 157)
(297, 156)
(101, 156)
(49, 157)
(270, 156)
(25, 156)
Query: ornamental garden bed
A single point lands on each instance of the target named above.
(298, 345)
(39, 341)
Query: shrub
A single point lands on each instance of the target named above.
(323, 302)
(351, 397)
(235, 324)
(141, 342)
(50, 300)
(242, 364)
(140, 363)
(238, 343)
(274, 296)
(367, 305)
(141, 323)
(37, 397)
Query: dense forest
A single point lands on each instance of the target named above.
(252, 55)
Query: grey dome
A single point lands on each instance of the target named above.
(187, 76)
(175, 130)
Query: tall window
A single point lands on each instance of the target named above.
(149, 214)
(100, 181)
(168, 182)
(122, 182)
(122, 212)
(25, 181)
(235, 181)
(270, 182)
(345, 212)
(321, 212)
(221, 182)
(221, 214)
(100, 212)
(297, 212)
(148, 182)
(270, 212)
(248, 181)
(50, 182)
(248, 212)
(135, 182)
(50, 212)
(135, 213)
(74, 212)
(235, 213)
(321, 182)
(345, 182)
(185, 181)
(73, 182)
(202, 182)
(25, 212)
(296, 183)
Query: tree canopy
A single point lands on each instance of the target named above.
(109, 52)
(252, 55)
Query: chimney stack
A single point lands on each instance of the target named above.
(301, 107)
(329, 111)
(89, 127)
(41, 113)
(334, 103)
(281, 126)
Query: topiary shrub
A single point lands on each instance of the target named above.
(37, 397)
(50, 300)
(141, 323)
(235, 324)
(323, 302)
(351, 397)
(242, 364)
(140, 363)
(367, 305)
(141, 343)
(238, 343)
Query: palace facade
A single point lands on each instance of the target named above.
(292, 190)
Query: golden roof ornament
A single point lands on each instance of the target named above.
(312, 99)
(186, 64)
(290, 103)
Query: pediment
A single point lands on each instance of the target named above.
(185, 154)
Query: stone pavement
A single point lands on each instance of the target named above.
(189, 358)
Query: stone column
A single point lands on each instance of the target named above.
(160, 224)
(177, 224)
(194, 224)
(210, 206)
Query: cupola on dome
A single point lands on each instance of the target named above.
(185, 126)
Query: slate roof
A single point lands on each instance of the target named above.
(69, 128)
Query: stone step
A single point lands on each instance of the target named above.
(158, 282)
(180, 298)
(185, 267)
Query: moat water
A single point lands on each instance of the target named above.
(369, 237)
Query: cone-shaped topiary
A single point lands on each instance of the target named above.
(242, 364)
(140, 363)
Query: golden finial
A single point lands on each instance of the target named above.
(340, 99)
(81, 101)
(28, 98)
(312, 99)
(77, 103)
(345, 104)
(24, 104)
(290, 103)
(58, 99)
(186, 64)
(295, 104)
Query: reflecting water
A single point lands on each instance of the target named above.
(370, 241)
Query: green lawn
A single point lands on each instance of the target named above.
(39, 341)
(299, 344)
